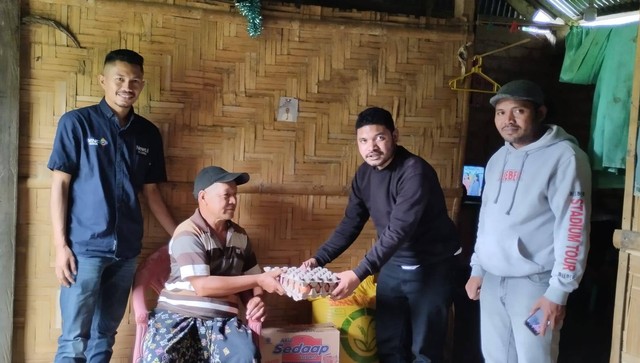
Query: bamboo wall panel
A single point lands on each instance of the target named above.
(213, 91)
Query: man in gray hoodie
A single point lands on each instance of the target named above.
(533, 231)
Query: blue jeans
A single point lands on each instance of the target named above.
(412, 312)
(93, 307)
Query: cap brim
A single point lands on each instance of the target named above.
(239, 178)
(494, 100)
(497, 98)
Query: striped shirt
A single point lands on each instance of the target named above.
(195, 251)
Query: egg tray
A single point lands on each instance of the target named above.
(307, 283)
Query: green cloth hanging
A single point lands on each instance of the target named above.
(604, 56)
(584, 53)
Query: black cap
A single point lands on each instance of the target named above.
(215, 174)
(519, 90)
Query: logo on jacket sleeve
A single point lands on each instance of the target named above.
(575, 232)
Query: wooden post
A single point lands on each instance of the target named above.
(464, 9)
(626, 240)
(629, 220)
(9, 104)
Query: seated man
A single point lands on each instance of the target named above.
(196, 319)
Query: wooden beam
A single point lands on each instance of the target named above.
(9, 104)
(449, 31)
(626, 240)
(523, 7)
(295, 189)
(629, 209)
(622, 280)
(464, 9)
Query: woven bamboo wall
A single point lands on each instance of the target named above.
(213, 91)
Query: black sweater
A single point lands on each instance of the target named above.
(407, 206)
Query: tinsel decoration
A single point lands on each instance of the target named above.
(251, 10)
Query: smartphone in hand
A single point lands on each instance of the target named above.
(534, 322)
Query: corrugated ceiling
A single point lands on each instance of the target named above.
(567, 10)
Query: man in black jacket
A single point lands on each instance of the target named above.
(414, 251)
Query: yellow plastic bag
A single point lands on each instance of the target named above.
(354, 317)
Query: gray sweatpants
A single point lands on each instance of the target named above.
(505, 303)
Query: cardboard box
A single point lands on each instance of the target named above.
(318, 343)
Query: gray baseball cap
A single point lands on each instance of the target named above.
(215, 174)
(519, 90)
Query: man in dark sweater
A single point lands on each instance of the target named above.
(414, 251)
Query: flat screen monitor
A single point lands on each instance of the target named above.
(473, 180)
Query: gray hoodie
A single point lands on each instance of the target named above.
(535, 213)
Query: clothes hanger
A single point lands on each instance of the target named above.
(477, 69)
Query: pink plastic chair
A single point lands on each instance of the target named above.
(152, 274)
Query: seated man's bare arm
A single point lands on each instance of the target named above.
(220, 286)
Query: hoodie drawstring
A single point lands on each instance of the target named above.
(515, 190)
(504, 165)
